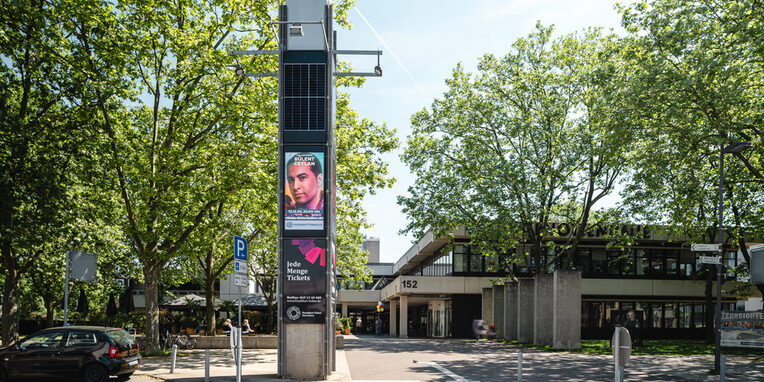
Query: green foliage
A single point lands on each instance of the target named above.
(534, 137)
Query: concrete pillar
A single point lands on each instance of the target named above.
(510, 311)
(393, 318)
(344, 310)
(525, 310)
(404, 323)
(498, 310)
(304, 343)
(567, 309)
(487, 310)
(542, 309)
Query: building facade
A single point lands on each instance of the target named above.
(441, 284)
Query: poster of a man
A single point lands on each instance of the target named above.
(304, 191)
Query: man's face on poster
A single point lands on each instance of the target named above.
(304, 185)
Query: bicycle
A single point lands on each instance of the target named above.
(185, 342)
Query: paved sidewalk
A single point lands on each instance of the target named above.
(257, 365)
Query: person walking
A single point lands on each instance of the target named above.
(478, 327)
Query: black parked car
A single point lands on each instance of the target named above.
(71, 352)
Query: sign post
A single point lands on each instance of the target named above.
(241, 279)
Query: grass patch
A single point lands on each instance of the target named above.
(653, 347)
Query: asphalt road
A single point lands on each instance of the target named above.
(391, 359)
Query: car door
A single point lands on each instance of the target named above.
(33, 355)
(79, 347)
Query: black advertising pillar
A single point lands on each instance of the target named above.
(307, 211)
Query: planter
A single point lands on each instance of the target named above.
(347, 331)
(182, 331)
(190, 331)
(338, 331)
(219, 331)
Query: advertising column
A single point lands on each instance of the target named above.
(306, 190)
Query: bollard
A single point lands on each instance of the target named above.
(520, 366)
(207, 365)
(723, 368)
(172, 361)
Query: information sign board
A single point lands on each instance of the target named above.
(709, 259)
(742, 329)
(705, 247)
(240, 267)
(240, 280)
(304, 295)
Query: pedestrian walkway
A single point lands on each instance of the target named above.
(377, 359)
(257, 365)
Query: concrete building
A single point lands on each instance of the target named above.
(440, 285)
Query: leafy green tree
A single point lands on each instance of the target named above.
(696, 84)
(533, 138)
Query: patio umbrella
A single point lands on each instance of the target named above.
(129, 305)
(111, 306)
(82, 303)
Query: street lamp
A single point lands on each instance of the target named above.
(734, 147)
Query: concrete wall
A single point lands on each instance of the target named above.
(542, 310)
(434, 285)
(487, 311)
(510, 311)
(525, 310)
(303, 351)
(567, 309)
(621, 287)
(498, 310)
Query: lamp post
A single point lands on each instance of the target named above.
(734, 147)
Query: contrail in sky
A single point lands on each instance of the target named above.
(389, 50)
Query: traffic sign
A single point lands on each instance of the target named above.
(709, 259)
(240, 267)
(240, 280)
(240, 248)
(705, 248)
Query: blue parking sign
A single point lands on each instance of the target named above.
(239, 248)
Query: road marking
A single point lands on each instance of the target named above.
(445, 371)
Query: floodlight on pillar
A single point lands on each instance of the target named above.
(239, 70)
(295, 30)
(378, 70)
(737, 147)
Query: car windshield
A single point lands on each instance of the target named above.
(120, 337)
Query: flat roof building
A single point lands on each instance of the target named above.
(441, 284)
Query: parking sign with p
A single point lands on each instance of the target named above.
(239, 248)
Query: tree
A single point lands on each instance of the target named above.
(696, 85)
(506, 151)
(44, 132)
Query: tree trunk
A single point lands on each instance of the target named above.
(151, 276)
(10, 304)
(710, 306)
(209, 309)
(50, 311)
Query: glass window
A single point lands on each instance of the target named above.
(699, 316)
(729, 258)
(672, 262)
(476, 263)
(492, 263)
(583, 260)
(657, 314)
(642, 262)
(685, 315)
(599, 261)
(686, 263)
(656, 262)
(82, 339)
(460, 258)
(51, 339)
(669, 315)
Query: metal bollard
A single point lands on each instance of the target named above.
(172, 361)
(520, 366)
(207, 365)
(722, 368)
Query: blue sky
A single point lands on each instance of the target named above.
(429, 38)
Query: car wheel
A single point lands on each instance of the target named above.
(124, 377)
(95, 373)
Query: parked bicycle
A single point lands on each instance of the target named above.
(183, 341)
